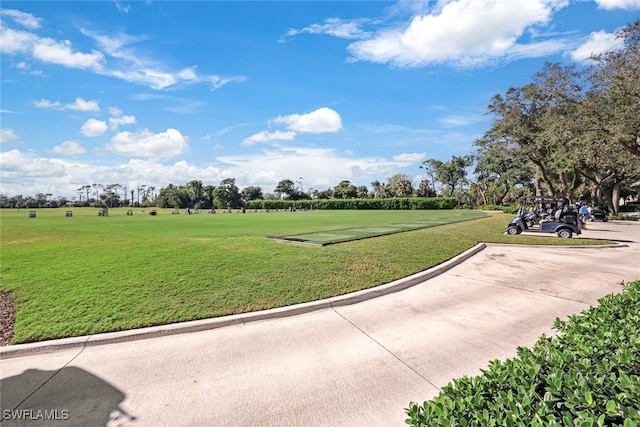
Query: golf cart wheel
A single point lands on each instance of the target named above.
(565, 233)
(513, 230)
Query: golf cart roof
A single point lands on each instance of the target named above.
(544, 199)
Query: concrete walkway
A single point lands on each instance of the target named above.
(351, 364)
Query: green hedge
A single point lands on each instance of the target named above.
(630, 207)
(623, 217)
(589, 375)
(511, 209)
(395, 203)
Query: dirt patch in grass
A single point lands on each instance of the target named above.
(7, 318)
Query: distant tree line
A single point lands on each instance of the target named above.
(572, 133)
(195, 194)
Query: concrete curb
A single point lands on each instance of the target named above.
(19, 350)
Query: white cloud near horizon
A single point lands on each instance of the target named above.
(69, 148)
(146, 144)
(321, 168)
(8, 135)
(266, 136)
(16, 166)
(456, 120)
(409, 157)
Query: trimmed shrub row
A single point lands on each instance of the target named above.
(511, 209)
(588, 375)
(395, 203)
(623, 217)
(630, 207)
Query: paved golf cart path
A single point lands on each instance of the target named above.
(357, 364)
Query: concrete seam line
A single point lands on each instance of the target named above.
(385, 349)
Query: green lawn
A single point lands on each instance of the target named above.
(88, 274)
(322, 238)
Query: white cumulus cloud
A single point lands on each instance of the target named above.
(460, 32)
(62, 53)
(618, 4)
(16, 165)
(147, 144)
(115, 122)
(321, 120)
(45, 103)
(15, 41)
(93, 127)
(597, 43)
(85, 106)
(69, 148)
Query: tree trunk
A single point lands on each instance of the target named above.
(538, 187)
(551, 191)
(615, 198)
(610, 194)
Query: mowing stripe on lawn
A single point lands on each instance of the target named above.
(323, 238)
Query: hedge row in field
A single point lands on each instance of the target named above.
(396, 203)
(589, 375)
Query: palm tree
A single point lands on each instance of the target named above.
(97, 187)
(87, 188)
(149, 195)
(141, 189)
(379, 189)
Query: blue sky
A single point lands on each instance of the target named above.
(146, 92)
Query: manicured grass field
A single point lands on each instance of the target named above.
(322, 238)
(87, 274)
